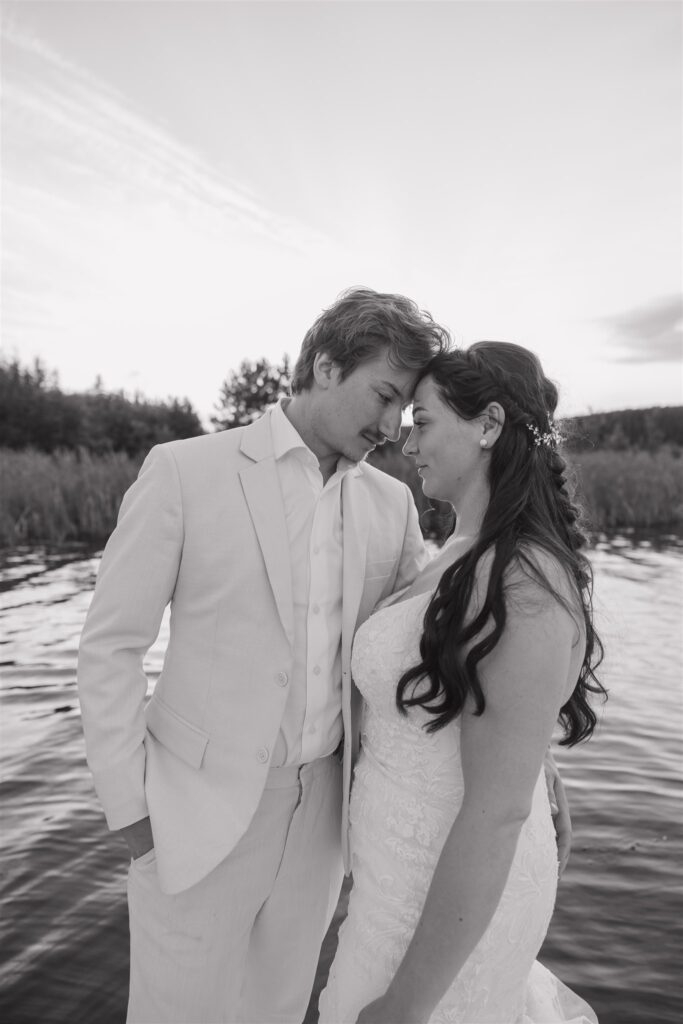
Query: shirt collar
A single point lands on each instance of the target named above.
(286, 438)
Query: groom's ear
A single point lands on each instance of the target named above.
(323, 370)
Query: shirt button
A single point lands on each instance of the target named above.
(281, 679)
(316, 670)
(316, 609)
(262, 755)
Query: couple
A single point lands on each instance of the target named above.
(274, 545)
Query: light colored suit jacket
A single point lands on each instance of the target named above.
(203, 528)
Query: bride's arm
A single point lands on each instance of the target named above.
(502, 753)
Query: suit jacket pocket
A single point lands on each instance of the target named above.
(183, 739)
(379, 569)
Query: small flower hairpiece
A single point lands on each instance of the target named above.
(551, 439)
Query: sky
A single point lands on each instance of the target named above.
(188, 184)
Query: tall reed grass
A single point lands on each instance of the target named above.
(630, 488)
(617, 489)
(75, 496)
(66, 496)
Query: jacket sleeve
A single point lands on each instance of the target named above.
(135, 583)
(414, 555)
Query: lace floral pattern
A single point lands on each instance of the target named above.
(407, 791)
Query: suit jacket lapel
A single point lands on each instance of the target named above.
(355, 527)
(261, 487)
(355, 530)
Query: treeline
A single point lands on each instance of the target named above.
(66, 459)
(35, 413)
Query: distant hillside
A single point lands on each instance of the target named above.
(634, 429)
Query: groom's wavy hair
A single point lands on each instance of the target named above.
(531, 507)
(360, 324)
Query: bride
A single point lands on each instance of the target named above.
(464, 676)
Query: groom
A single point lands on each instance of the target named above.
(272, 543)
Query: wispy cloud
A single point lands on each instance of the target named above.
(126, 252)
(80, 128)
(652, 333)
(121, 242)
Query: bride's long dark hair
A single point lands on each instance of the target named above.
(531, 507)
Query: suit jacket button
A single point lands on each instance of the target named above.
(262, 755)
(281, 679)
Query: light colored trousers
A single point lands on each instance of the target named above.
(242, 945)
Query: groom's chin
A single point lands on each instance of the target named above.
(363, 449)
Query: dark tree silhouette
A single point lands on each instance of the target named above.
(35, 413)
(246, 392)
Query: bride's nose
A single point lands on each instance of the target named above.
(410, 447)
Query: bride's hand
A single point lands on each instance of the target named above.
(373, 1013)
(559, 807)
(384, 1011)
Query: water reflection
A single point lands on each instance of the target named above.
(616, 932)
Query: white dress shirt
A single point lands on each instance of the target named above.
(312, 723)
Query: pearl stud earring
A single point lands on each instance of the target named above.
(484, 443)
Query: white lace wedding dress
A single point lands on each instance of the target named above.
(406, 794)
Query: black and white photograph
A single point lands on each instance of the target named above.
(341, 511)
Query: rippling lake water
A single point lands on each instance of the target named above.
(616, 935)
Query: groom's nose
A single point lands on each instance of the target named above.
(390, 424)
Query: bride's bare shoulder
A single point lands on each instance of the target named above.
(534, 569)
(530, 579)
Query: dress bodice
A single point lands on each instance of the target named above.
(386, 645)
(408, 783)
